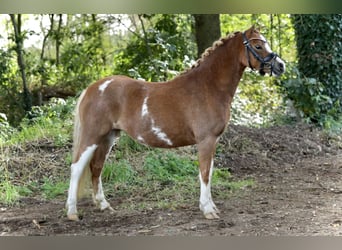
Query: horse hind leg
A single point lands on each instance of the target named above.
(77, 172)
(96, 166)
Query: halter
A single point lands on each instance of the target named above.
(267, 61)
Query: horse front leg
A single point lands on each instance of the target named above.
(206, 151)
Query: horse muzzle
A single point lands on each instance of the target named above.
(274, 67)
(278, 67)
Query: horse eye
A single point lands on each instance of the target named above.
(258, 47)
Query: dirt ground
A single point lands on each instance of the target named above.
(298, 191)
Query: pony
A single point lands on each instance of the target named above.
(192, 108)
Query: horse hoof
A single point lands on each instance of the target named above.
(211, 216)
(73, 217)
(111, 210)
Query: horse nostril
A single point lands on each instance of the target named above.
(281, 66)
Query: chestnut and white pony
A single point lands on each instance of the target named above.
(192, 108)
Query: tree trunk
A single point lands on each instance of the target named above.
(58, 38)
(18, 39)
(207, 30)
(47, 35)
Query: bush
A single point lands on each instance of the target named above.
(317, 89)
(310, 98)
(53, 120)
(5, 129)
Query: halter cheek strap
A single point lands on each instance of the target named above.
(266, 61)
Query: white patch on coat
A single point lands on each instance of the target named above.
(144, 108)
(160, 134)
(77, 170)
(267, 46)
(104, 85)
(155, 129)
(141, 139)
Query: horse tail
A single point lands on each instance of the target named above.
(77, 128)
(84, 180)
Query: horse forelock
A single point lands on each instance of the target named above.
(210, 50)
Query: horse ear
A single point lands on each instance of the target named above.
(255, 28)
(252, 29)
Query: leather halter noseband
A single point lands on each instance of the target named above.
(267, 61)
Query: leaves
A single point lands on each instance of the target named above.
(162, 49)
(316, 89)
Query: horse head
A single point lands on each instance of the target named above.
(259, 55)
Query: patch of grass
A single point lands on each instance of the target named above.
(167, 167)
(127, 146)
(118, 173)
(224, 185)
(8, 193)
(45, 128)
(51, 190)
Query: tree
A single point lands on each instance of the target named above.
(207, 30)
(18, 39)
(317, 90)
(159, 47)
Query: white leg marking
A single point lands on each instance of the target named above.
(160, 134)
(76, 173)
(104, 85)
(99, 198)
(144, 108)
(207, 206)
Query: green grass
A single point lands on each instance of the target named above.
(8, 192)
(53, 129)
(51, 190)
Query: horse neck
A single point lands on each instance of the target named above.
(222, 70)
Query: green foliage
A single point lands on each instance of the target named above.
(52, 120)
(257, 101)
(10, 92)
(5, 129)
(310, 98)
(164, 46)
(319, 73)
